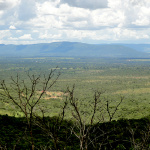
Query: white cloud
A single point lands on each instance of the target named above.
(12, 38)
(7, 4)
(12, 27)
(25, 37)
(108, 18)
(47, 8)
(128, 34)
(35, 31)
(52, 20)
(18, 31)
(47, 35)
(143, 18)
(4, 34)
(90, 4)
(136, 12)
(112, 35)
(7, 12)
(27, 10)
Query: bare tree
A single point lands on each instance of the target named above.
(143, 143)
(82, 132)
(25, 96)
(111, 112)
(52, 129)
(85, 127)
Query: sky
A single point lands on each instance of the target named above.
(87, 21)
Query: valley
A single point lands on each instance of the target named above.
(115, 78)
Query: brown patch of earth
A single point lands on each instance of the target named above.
(53, 95)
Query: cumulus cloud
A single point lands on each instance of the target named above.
(47, 8)
(12, 38)
(12, 27)
(136, 12)
(7, 4)
(27, 10)
(106, 18)
(4, 34)
(50, 36)
(25, 37)
(7, 12)
(79, 20)
(89, 4)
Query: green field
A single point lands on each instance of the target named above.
(115, 78)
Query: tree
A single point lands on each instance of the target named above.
(51, 127)
(84, 127)
(25, 96)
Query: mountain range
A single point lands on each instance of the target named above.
(70, 49)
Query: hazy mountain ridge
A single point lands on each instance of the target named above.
(139, 47)
(75, 49)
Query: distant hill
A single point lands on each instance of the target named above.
(65, 49)
(139, 47)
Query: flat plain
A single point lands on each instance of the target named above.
(114, 78)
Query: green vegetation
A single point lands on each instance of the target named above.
(116, 80)
(115, 77)
(121, 134)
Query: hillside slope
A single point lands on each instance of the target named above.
(71, 49)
